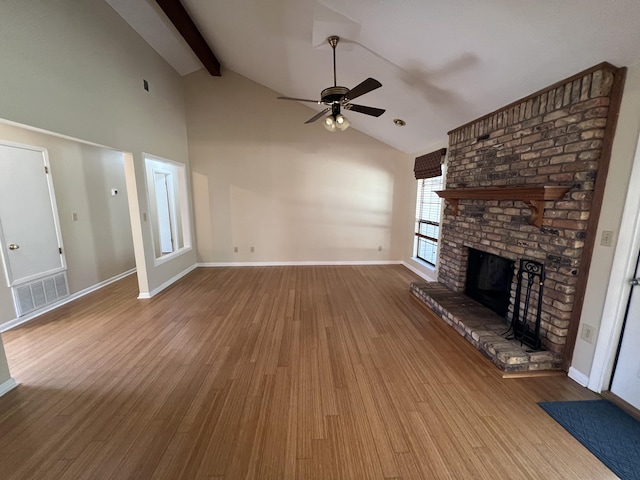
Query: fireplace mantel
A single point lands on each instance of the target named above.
(534, 197)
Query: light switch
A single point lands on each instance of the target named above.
(607, 238)
(74, 216)
(588, 333)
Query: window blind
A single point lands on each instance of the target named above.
(429, 165)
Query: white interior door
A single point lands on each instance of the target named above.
(164, 212)
(626, 377)
(30, 240)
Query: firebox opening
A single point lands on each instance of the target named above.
(489, 279)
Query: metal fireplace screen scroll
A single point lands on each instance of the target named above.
(530, 275)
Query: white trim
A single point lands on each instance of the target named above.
(7, 386)
(578, 377)
(54, 134)
(20, 320)
(624, 263)
(171, 256)
(172, 280)
(154, 163)
(430, 277)
(305, 263)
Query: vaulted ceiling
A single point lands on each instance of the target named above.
(442, 63)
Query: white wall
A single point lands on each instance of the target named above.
(4, 366)
(294, 192)
(624, 149)
(98, 245)
(76, 68)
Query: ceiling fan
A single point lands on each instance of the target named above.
(337, 97)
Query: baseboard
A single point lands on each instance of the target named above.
(20, 320)
(534, 374)
(7, 386)
(620, 403)
(172, 280)
(578, 377)
(305, 263)
(419, 272)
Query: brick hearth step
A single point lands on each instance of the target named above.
(483, 329)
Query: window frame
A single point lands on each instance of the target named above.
(178, 203)
(425, 220)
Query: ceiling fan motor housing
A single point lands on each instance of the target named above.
(333, 94)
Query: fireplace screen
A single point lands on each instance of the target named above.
(489, 279)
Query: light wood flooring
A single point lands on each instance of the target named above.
(272, 373)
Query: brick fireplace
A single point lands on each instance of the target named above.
(558, 137)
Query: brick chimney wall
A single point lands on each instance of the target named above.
(553, 137)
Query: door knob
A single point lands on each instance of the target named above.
(13, 246)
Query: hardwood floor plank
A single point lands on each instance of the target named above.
(376, 426)
(324, 372)
(220, 445)
(358, 438)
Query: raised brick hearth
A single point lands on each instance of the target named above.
(556, 137)
(483, 329)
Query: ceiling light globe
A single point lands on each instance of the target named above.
(342, 122)
(329, 123)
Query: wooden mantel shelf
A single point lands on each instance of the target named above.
(534, 197)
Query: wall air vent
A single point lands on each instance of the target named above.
(40, 293)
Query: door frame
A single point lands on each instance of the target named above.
(56, 221)
(619, 289)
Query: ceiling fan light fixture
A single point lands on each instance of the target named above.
(337, 97)
(329, 123)
(333, 122)
(342, 122)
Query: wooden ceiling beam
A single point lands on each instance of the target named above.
(180, 18)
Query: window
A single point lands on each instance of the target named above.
(427, 230)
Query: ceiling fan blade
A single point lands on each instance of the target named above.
(317, 116)
(374, 112)
(299, 99)
(362, 88)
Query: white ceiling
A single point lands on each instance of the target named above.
(442, 63)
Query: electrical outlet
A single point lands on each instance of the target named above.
(606, 238)
(253, 249)
(74, 216)
(379, 248)
(588, 333)
(235, 249)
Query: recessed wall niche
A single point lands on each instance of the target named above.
(168, 207)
